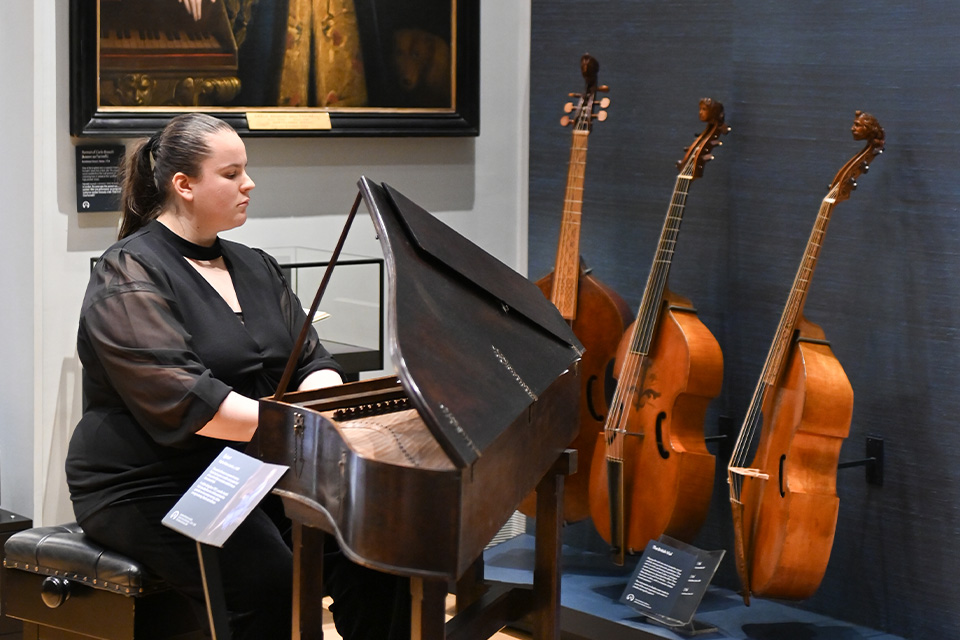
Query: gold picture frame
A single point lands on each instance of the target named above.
(277, 67)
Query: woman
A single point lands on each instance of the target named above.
(180, 332)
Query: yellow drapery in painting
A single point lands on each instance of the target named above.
(333, 64)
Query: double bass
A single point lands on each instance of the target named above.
(595, 312)
(652, 473)
(785, 503)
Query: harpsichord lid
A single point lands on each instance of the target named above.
(473, 341)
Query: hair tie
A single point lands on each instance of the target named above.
(151, 145)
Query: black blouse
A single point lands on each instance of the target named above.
(161, 349)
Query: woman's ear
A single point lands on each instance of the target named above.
(182, 186)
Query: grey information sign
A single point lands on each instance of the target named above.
(229, 489)
(98, 188)
(670, 580)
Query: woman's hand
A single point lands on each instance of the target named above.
(236, 419)
(193, 7)
(238, 415)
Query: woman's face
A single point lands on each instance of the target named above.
(222, 190)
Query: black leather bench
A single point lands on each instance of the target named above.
(64, 586)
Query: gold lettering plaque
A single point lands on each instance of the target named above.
(287, 120)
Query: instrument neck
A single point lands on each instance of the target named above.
(632, 368)
(793, 310)
(645, 326)
(780, 349)
(566, 272)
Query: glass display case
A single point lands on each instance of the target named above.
(349, 319)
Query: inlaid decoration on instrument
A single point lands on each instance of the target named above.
(643, 389)
(458, 429)
(784, 500)
(502, 359)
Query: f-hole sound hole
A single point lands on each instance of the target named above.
(609, 382)
(609, 388)
(783, 459)
(591, 394)
(663, 452)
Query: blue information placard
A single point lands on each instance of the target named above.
(658, 579)
(670, 580)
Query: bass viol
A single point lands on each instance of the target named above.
(785, 502)
(594, 311)
(652, 473)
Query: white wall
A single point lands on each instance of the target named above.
(16, 256)
(304, 190)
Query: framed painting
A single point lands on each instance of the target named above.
(277, 67)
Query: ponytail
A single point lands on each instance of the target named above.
(140, 198)
(146, 173)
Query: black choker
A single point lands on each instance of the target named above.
(190, 250)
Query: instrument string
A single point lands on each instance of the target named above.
(779, 349)
(632, 370)
(781, 557)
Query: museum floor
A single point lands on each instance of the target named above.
(591, 588)
(591, 610)
(329, 631)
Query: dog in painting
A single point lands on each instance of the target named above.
(422, 63)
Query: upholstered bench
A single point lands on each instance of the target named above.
(62, 585)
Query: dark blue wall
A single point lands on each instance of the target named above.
(791, 75)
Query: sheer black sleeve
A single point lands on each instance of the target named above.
(133, 343)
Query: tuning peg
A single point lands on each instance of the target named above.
(567, 108)
(604, 102)
(564, 121)
(708, 157)
(601, 116)
(573, 95)
(603, 88)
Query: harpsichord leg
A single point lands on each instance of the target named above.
(307, 582)
(428, 604)
(546, 572)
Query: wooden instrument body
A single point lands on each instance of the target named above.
(601, 318)
(668, 472)
(805, 420)
(592, 310)
(784, 503)
(405, 509)
(487, 373)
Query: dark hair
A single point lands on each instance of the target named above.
(145, 176)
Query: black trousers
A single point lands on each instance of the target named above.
(257, 570)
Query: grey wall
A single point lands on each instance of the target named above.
(16, 258)
(791, 76)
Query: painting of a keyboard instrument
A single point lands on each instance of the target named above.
(369, 67)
